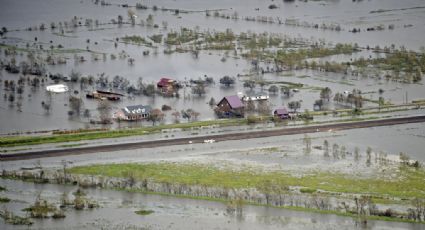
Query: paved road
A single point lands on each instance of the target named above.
(218, 137)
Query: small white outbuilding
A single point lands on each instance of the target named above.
(59, 88)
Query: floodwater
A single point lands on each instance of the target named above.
(117, 209)
(407, 17)
(272, 153)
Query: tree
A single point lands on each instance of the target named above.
(212, 102)
(227, 81)
(286, 91)
(342, 152)
(294, 105)
(273, 89)
(176, 115)
(319, 103)
(186, 114)
(356, 153)
(368, 156)
(338, 97)
(149, 90)
(250, 105)
(74, 76)
(381, 102)
(325, 93)
(404, 158)
(417, 76)
(140, 85)
(189, 114)
(104, 108)
(198, 89)
(335, 151)
(132, 16)
(326, 148)
(307, 143)
(263, 107)
(75, 104)
(120, 18)
(249, 84)
(155, 116)
(357, 98)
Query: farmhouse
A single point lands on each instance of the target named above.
(230, 106)
(133, 113)
(282, 113)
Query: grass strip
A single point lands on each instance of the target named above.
(407, 182)
(35, 140)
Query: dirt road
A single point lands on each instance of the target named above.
(218, 137)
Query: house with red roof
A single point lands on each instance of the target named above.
(167, 85)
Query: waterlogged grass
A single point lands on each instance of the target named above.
(35, 140)
(4, 200)
(144, 212)
(408, 183)
(307, 190)
(71, 145)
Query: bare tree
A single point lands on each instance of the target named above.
(199, 89)
(104, 108)
(75, 104)
(156, 115)
(326, 148)
(176, 115)
(368, 156)
(335, 151)
(356, 153)
(307, 144)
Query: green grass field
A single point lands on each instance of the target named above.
(409, 182)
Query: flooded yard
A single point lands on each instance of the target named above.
(339, 60)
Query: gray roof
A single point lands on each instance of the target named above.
(137, 109)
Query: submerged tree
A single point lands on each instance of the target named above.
(227, 81)
(104, 108)
(199, 89)
(273, 89)
(368, 156)
(307, 144)
(75, 104)
(294, 105)
(325, 93)
(326, 148)
(356, 153)
(156, 115)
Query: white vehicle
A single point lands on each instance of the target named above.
(209, 141)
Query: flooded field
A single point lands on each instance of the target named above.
(338, 60)
(116, 211)
(89, 42)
